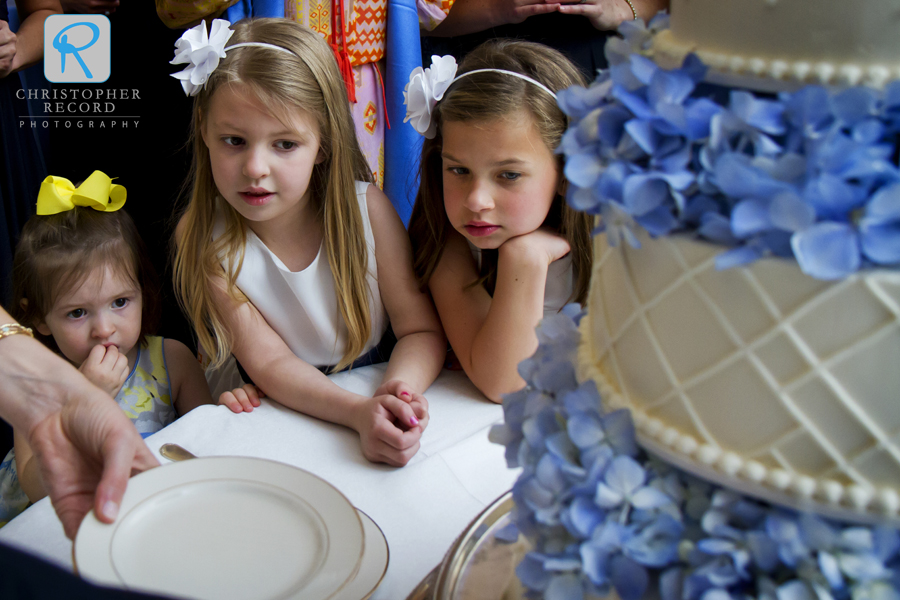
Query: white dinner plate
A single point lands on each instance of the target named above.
(374, 563)
(226, 527)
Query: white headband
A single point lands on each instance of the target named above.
(513, 73)
(427, 87)
(260, 45)
(202, 53)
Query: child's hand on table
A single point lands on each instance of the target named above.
(401, 390)
(106, 368)
(388, 428)
(242, 399)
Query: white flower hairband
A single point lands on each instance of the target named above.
(427, 87)
(202, 52)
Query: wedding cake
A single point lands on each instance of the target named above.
(721, 421)
(802, 41)
(759, 377)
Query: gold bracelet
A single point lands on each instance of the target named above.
(14, 328)
(633, 9)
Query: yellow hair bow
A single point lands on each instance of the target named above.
(58, 195)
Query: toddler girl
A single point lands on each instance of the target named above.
(494, 239)
(83, 281)
(286, 256)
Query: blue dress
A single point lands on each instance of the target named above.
(22, 169)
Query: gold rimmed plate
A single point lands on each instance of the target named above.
(226, 527)
(374, 563)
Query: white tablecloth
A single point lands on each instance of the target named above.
(421, 508)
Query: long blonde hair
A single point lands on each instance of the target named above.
(308, 80)
(488, 96)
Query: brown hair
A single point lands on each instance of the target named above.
(306, 78)
(56, 254)
(489, 96)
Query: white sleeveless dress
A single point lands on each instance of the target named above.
(302, 306)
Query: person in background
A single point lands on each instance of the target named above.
(577, 29)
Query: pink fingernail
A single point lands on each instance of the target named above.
(404, 394)
(413, 421)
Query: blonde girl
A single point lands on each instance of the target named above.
(83, 282)
(495, 241)
(286, 256)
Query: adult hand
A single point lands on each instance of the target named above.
(86, 7)
(516, 11)
(86, 446)
(106, 368)
(87, 452)
(7, 49)
(402, 390)
(603, 14)
(388, 430)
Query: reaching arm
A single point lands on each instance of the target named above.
(471, 16)
(85, 446)
(609, 14)
(27, 44)
(490, 336)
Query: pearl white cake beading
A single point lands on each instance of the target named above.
(669, 52)
(797, 451)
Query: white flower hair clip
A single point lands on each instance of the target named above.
(202, 52)
(425, 89)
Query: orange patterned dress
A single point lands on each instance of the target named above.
(363, 41)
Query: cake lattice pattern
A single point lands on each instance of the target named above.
(762, 373)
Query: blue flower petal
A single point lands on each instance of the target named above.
(532, 574)
(738, 257)
(795, 590)
(750, 217)
(585, 516)
(628, 578)
(670, 584)
(647, 498)
(643, 133)
(584, 430)
(625, 475)
(611, 125)
(854, 104)
(642, 193)
(828, 566)
(789, 213)
(827, 250)
(595, 563)
(669, 87)
(716, 228)
(832, 196)
(885, 204)
(698, 115)
(564, 587)
(620, 432)
(765, 115)
(583, 169)
(658, 221)
(607, 497)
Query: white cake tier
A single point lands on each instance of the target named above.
(760, 378)
(800, 41)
